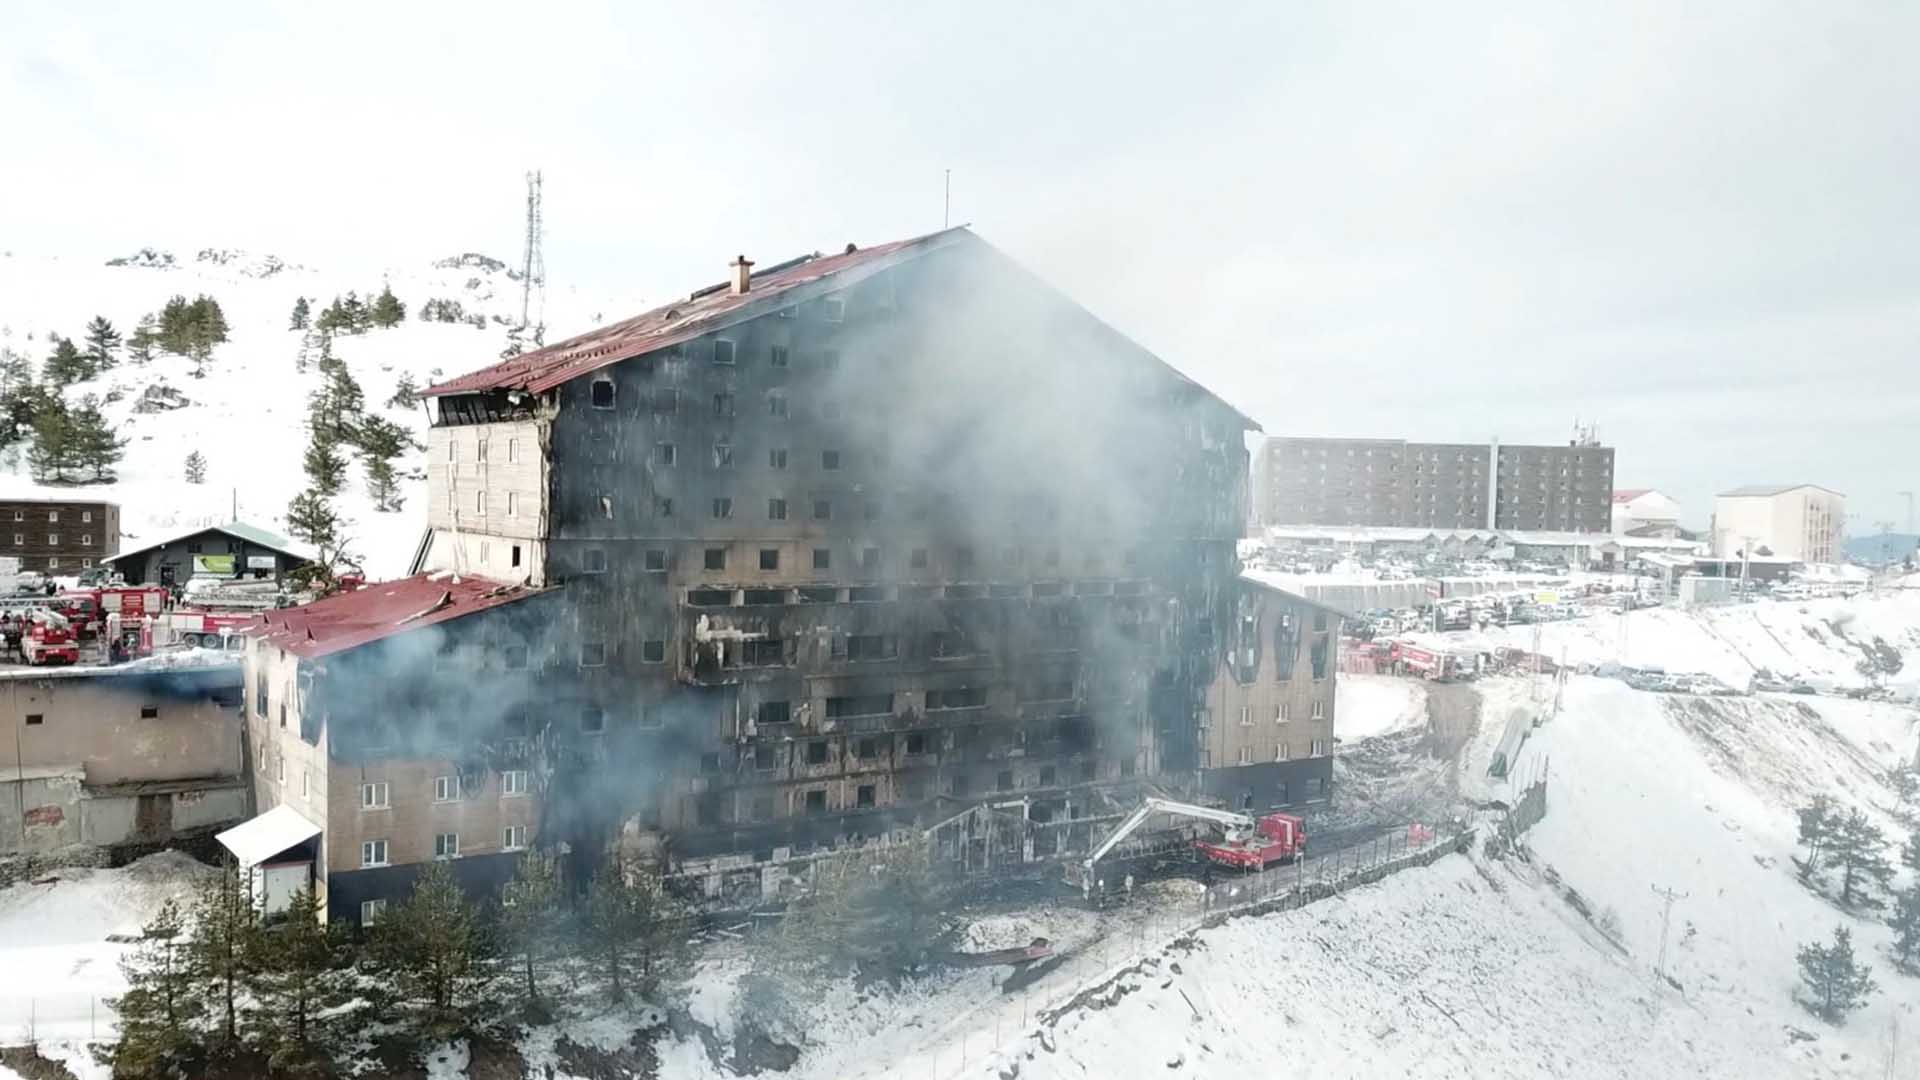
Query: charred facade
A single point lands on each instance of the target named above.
(862, 543)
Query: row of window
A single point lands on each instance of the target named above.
(378, 794)
(374, 853)
(1281, 713)
(480, 450)
(53, 540)
(86, 516)
(594, 560)
(1283, 752)
(726, 353)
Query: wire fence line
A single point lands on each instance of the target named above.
(45, 1017)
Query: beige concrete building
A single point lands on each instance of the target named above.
(118, 760)
(1268, 738)
(1803, 522)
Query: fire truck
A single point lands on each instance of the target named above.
(1247, 843)
(196, 629)
(89, 608)
(49, 639)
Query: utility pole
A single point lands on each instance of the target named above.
(1666, 918)
(946, 201)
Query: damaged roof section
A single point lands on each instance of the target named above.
(704, 311)
(379, 611)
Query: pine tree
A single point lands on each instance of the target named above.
(199, 353)
(301, 315)
(1835, 984)
(196, 468)
(383, 484)
(435, 952)
(1857, 848)
(301, 979)
(310, 517)
(95, 446)
(1910, 852)
(103, 344)
(159, 1011)
(628, 924)
(19, 397)
(406, 392)
(54, 445)
(1905, 922)
(530, 912)
(220, 949)
(387, 310)
(326, 469)
(67, 364)
(381, 441)
(1817, 820)
(209, 322)
(146, 334)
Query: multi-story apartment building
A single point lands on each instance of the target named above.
(1267, 733)
(59, 536)
(858, 543)
(1389, 482)
(1803, 522)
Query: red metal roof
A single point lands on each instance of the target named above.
(377, 611)
(681, 320)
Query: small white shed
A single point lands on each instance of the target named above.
(273, 853)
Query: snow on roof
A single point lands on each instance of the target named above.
(239, 530)
(1290, 594)
(172, 660)
(1358, 534)
(1765, 490)
(352, 619)
(1627, 495)
(256, 840)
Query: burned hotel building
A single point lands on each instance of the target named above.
(897, 538)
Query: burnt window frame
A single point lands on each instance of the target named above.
(612, 395)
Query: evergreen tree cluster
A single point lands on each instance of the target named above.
(350, 315)
(69, 363)
(1846, 842)
(215, 983)
(73, 443)
(191, 328)
(1835, 983)
(442, 310)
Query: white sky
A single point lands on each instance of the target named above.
(1693, 224)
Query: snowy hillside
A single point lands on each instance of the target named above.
(247, 416)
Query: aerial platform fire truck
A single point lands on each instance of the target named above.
(1247, 843)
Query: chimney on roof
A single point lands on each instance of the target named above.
(742, 268)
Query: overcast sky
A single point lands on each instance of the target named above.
(1694, 227)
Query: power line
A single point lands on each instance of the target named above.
(1666, 918)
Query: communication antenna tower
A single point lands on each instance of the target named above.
(533, 265)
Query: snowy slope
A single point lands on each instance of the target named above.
(1369, 705)
(247, 416)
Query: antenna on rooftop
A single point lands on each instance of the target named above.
(533, 265)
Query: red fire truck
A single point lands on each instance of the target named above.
(49, 640)
(197, 629)
(89, 608)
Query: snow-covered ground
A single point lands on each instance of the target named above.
(247, 416)
(1369, 705)
(57, 966)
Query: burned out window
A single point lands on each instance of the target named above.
(859, 705)
(917, 558)
(593, 654)
(1048, 776)
(870, 558)
(722, 351)
(916, 742)
(656, 560)
(662, 506)
(723, 455)
(723, 404)
(1322, 651)
(606, 507)
(777, 356)
(872, 647)
(710, 763)
(773, 712)
(970, 697)
(816, 802)
(716, 558)
(867, 749)
(817, 752)
(776, 459)
(864, 795)
(776, 509)
(777, 406)
(765, 653)
(1003, 780)
(149, 712)
(665, 454)
(653, 652)
(593, 561)
(1286, 644)
(764, 758)
(593, 719)
(601, 395)
(722, 508)
(960, 785)
(769, 558)
(829, 460)
(822, 509)
(822, 559)
(833, 309)
(763, 806)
